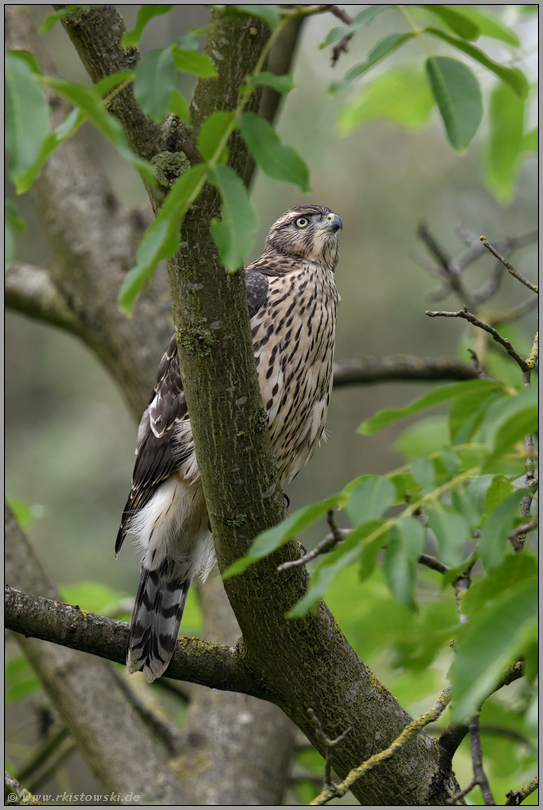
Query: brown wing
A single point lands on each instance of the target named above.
(160, 452)
(158, 455)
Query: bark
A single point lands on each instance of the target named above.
(86, 694)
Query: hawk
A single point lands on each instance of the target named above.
(292, 300)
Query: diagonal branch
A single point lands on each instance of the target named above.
(506, 263)
(96, 34)
(468, 316)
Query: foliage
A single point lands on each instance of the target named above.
(462, 485)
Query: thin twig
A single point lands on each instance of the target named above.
(468, 316)
(17, 794)
(477, 760)
(461, 585)
(149, 713)
(328, 745)
(462, 793)
(509, 266)
(330, 541)
(478, 368)
(450, 268)
(516, 797)
(433, 563)
(407, 734)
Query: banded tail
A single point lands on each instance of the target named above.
(158, 609)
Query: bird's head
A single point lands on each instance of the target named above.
(307, 232)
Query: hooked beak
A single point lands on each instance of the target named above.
(333, 223)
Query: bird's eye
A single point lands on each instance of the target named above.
(302, 222)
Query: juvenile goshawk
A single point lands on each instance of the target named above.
(292, 300)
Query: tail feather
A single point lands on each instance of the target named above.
(157, 614)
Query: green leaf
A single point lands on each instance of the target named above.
(402, 95)
(424, 437)
(154, 81)
(489, 25)
(488, 643)
(370, 499)
(234, 234)
(30, 59)
(361, 19)
(65, 130)
(494, 539)
(508, 421)
(505, 141)
(93, 596)
(161, 239)
(51, 19)
(145, 14)
(405, 485)
(458, 22)
(436, 397)
(451, 532)
(371, 546)
(190, 41)
(270, 14)
(12, 216)
(423, 471)
(109, 82)
(464, 504)
(512, 76)
(91, 105)
(513, 570)
(21, 680)
(500, 489)
(22, 511)
(277, 161)
(277, 536)
(27, 115)
(212, 132)
(178, 106)
(189, 61)
(404, 547)
(466, 413)
(387, 46)
(530, 142)
(283, 84)
(458, 97)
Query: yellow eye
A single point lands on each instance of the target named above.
(302, 222)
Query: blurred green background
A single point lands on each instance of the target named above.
(69, 439)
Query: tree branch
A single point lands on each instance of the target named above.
(468, 316)
(197, 661)
(85, 692)
(30, 291)
(96, 34)
(516, 797)
(506, 263)
(411, 731)
(399, 367)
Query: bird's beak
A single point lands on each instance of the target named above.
(333, 223)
